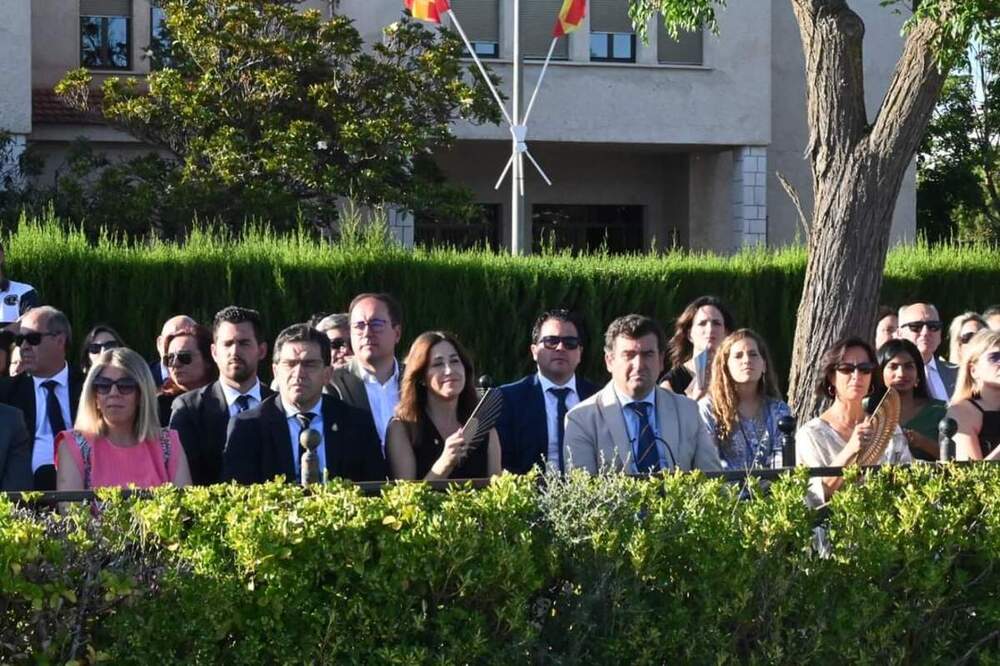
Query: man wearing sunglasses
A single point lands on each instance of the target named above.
(201, 417)
(48, 390)
(16, 298)
(920, 324)
(534, 412)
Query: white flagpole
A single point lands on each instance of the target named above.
(538, 84)
(479, 64)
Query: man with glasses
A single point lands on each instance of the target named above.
(266, 441)
(201, 417)
(370, 381)
(337, 328)
(534, 411)
(48, 390)
(632, 425)
(170, 327)
(16, 298)
(920, 324)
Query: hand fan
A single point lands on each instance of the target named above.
(885, 418)
(484, 416)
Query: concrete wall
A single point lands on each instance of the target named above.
(786, 154)
(15, 66)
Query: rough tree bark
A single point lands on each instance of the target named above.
(858, 168)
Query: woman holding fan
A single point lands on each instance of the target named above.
(425, 439)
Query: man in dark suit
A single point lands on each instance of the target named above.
(15, 450)
(201, 417)
(370, 380)
(531, 424)
(171, 327)
(264, 442)
(48, 390)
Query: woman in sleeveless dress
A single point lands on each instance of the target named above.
(698, 332)
(116, 439)
(425, 439)
(975, 406)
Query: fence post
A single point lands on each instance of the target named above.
(947, 428)
(484, 384)
(787, 425)
(309, 468)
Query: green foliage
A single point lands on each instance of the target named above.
(583, 570)
(488, 299)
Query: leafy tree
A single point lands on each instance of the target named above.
(280, 110)
(959, 160)
(858, 163)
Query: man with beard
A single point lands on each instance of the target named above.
(201, 417)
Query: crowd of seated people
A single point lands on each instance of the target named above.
(706, 399)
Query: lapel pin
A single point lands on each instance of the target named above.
(333, 427)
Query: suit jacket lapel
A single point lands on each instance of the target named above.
(536, 415)
(669, 424)
(280, 439)
(354, 385)
(25, 390)
(216, 409)
(614, 420)
(331, 439)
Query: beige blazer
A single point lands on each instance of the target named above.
(597, 440)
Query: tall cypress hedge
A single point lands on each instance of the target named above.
(489, 300)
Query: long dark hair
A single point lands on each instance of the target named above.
(894, 348)
(89, 338)
(680, 345)
(832, 358)
(412, 406)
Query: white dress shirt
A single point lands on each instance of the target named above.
(294, 430)
(382, 398)
(632, 429)
(43, 453)
(231, 395)
(552, 413)
(935, 385)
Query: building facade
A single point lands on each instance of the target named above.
(668, 143)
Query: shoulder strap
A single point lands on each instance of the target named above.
(977, 406)
(84, 445)
(165, 448)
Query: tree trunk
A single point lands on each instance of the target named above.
(858, 169)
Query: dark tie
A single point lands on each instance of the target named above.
(647, 460)
(561, 394)
(304, 419)
(52, 409)
(242, 403)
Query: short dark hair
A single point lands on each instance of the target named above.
(302, 333)
(884, 311)
(391, 304)
(634, 326)
(559, 314)
(895, 347)
(234, 314)
(832, 358)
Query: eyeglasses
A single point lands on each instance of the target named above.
(849, 368)
(933, 325)
(33, 338)
(569, 342)
(376, 325)
(965, 337)
(126, 385)
(339, 343)
(98, 347)
(993, 357)
(177, 358)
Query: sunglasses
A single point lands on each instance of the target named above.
(849, 368)
(126, 385)
(965, 337)
(933, 325)
(98, 347)
(177, 358)
(569, 342)
(339, 343)
(34, 338)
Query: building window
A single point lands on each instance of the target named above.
(537, 19)
(612, 47)
(587, 228)
(480, 20)
(481, 231)
(159, 39)
(106, 34)
(687, 49)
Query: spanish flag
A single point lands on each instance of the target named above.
(570, 17)
(427, 10)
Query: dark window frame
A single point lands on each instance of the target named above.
(129, 39)
(493, 55)
(610, 43)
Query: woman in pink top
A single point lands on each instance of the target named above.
(117, 439)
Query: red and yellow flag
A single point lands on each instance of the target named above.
(427, 10)
(570, 17)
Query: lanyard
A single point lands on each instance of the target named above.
(761, 455)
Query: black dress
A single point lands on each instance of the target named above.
(989, 434)
(679, 377)
(429, 445)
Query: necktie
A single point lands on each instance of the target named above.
(561, 394)
(304, 419)
(647, 459)
(53, 411)
(242, 403)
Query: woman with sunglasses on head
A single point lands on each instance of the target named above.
(425, 439)
(100, 339)
(848, 374)
(976, 403)
(902, 369)
(116, 439)
(743, 406)
(962, 329)
(188, 359)
(698, 332)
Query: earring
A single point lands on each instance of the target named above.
(831, 391)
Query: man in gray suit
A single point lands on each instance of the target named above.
(920, 324)
(15, 450)
(632, 425)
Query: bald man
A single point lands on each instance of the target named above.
(170, 327)
(921, 324)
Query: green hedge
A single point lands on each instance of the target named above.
(489, 300)
(589, 570)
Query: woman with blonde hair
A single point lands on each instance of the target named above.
(117, 439)
(975, 406)
(744, 405)
(962, 329)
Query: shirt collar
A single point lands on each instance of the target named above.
(624, 400)
(369, 377)
(61, 378)
(290, 411)
(932, 364)
(231, 393)
(547, 384)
